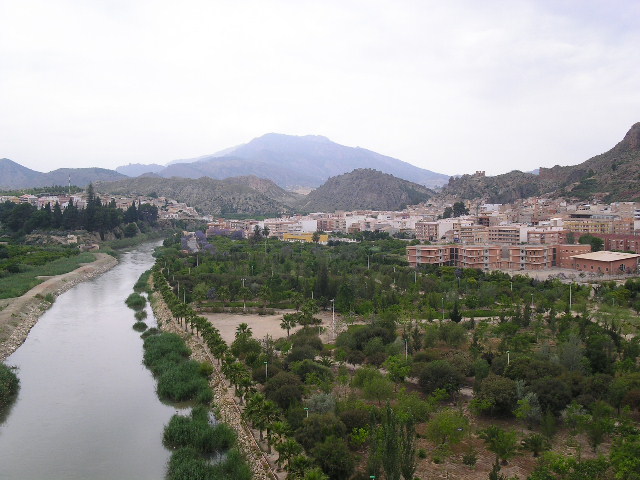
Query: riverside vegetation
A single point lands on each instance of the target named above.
(433, 370)
(197, 437)
(9, 385)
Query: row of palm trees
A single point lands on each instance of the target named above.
(263, 414)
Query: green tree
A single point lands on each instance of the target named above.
(440, 374)
(528, 410)
(459, 209)
(289, 320)
(596, 243)
(535, 443)
(447, 427)
(334, 458)
(501, 442)
(397, 367)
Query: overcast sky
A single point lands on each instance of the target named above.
(451, 86)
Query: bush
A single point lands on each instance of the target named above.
(196, 432)
(139, 326)
(9, 385)
(164, 347)
(183, 382)
(140, 314)
(149, 332)
(135, 301)
(179, 379)
(142, 285)
(284, 388)
(440, 374)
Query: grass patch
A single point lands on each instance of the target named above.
(187, 463)
(179, 379)
(140, 315)
(149, 332)
(140, 326)
(184, 382)
(9, 385)
(16, 284)
(136, 301)
(196, 431)
(142, 285)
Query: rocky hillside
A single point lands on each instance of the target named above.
(364, 188)
(296, 161)
(15, 176)
(137, 169)
(611, 176)
(246, 196)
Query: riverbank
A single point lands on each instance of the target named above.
(225, 405)
(19, 315)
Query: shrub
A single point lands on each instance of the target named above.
(196, 432)
(139, 326)
(135, 301)
(440, 374)
(140, 314)
(149, 332)
(142, 284)
(9, 385)
(184, 382)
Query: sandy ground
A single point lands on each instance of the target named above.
(262, 325)
(19, 315)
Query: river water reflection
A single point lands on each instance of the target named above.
(87, 407)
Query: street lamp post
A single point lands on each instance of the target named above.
(333, 317)
(508, 359)
(306, 409)
(266, 370)
(244, 300)
(443, 309)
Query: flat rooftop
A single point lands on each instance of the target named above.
(605, 256)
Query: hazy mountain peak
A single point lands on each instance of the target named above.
(295, 162)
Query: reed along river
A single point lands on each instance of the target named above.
(87, 407)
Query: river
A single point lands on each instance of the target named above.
(87, 407)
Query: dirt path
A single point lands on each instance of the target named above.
(262, 325)
(19, 315)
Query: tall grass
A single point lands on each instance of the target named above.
(136, 301)
(142, 285)
(187, 464)
(196, 431)
(17, 284)
(179, 379)
(9, 385)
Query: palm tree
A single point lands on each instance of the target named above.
(253, 412)
(271, 413)
(501, 442)
(289, 320)
(287, 449)
(243, 329)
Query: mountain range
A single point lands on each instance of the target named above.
(250, 195)
(292, 162)
(14, 176)
(610, 176)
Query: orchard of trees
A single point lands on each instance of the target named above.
(482, 365)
